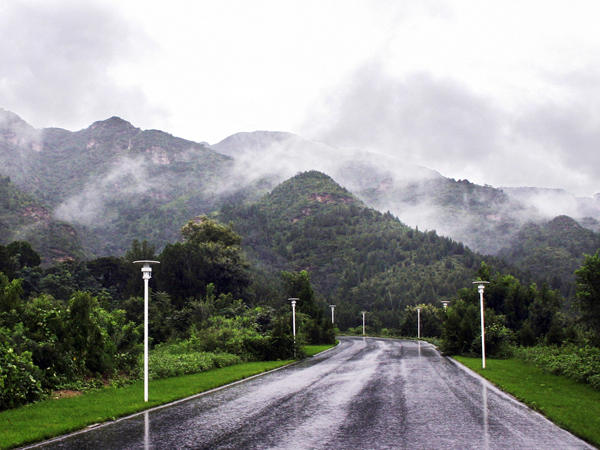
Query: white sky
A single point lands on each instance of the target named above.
(499, 92)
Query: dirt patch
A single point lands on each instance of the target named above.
(65, 393)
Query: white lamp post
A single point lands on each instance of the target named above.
(419, 323)
(480, 288)
(363, 314)
(294, 300)
(146, 275)
(445, 303)
(332, 316)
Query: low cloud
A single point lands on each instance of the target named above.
(421, 119)
(446, 126)
(56, 62)
(278, 156)
(126, 178)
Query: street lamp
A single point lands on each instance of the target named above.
(332, 316)
(146, 275)
(294, 300)
(363, 314)
(445, 303)
(480, 288)
(419, 323)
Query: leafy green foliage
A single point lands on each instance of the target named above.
(169, 361)
(578, 363)
(19, 378)
(588, 293)
(48, 343)
(211, 254)
(514, 314)
(431, 321)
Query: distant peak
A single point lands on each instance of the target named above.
(9, 119)
(112, 123)
(243, 142)
(563, 223)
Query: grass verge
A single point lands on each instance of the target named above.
(312, 350)
(571, 405)
(51, 418)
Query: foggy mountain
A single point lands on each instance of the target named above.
(482, 217)
(357, 257)
(114, 182)
(558, 202)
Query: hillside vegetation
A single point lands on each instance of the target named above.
(552, 251)
(358, 257)
(22, 218)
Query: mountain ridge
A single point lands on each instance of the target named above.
(114, 182)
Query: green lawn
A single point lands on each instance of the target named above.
(571, 405)
(312, 350)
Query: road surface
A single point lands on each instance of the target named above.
(365, 394)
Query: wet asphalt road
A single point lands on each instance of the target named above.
(365, 394)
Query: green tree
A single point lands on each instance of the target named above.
(113, 274)
(210, 254)
(317, 328)
(140, 251)
(24, 254)
(431, 321)
(588, 294)
(10, 294)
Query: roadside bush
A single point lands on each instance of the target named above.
(237, 335)
(168, 361)
(578, 363)
(461, 332)
(19, 379)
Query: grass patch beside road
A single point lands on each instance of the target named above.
(571, 405)
(312, 350)
(51, 418)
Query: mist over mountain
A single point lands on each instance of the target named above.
(113, 182)
(22, 218)
(266, 154)
(484, 218)
(558, 202)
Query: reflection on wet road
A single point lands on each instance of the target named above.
(365, 394)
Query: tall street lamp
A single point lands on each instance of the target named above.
(146, 275)
(332, 316)
(294, 300)
(363, 314)
(419, 323)
(445, 303)
(480, 288)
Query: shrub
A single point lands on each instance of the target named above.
(578, 363)
(169, 361)
(19, 379)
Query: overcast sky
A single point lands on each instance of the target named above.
(499, 92)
